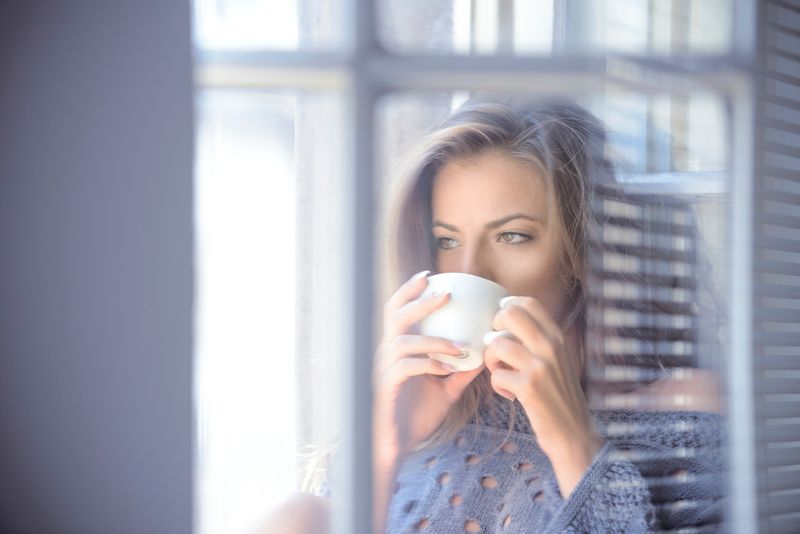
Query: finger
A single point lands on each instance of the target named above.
(410, 290)
(506, 383)
(537, 311)
(520, 323)
(504, 353)
(402, 370)
(408, 344)
(413, 312)
(455, 384)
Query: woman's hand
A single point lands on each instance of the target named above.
(413, 392)
(537, 370)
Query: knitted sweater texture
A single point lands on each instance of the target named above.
(656, 471)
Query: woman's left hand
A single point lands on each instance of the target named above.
(537, 370)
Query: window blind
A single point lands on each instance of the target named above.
(776, 351)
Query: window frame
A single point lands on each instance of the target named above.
(362, 71)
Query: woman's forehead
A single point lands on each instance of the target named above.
(488, 184)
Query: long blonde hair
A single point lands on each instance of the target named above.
(561, 140)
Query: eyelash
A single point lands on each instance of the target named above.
(526, 238)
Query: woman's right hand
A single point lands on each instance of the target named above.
(412, 391)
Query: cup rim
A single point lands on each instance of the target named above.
(468, 276)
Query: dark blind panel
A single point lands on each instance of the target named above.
(777, 268)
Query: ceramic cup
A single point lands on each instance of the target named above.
(466, 318)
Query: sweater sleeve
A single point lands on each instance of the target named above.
(612, 496)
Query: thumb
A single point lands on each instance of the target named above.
(456, 383)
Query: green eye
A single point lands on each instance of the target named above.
(514, 238)
(445, 242)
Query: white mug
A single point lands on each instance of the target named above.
(466, 318)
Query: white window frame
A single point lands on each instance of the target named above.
(362, 71)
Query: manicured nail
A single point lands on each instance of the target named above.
(437, 294)
(448, 367)
(506, 300)
(458, 344)
(421, 274)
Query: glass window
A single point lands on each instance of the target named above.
(655, 311)
(264, 217)
(239, 25)
(550, 27)
(639, 295)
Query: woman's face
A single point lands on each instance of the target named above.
(490, 219)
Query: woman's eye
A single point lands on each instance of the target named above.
(445, 242)
(514, 238)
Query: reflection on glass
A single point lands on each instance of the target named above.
(598, 405)
(545, 27)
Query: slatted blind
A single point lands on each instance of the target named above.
(643, 285)
(776, 353)
(644, 322)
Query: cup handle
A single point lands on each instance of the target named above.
(490, 336)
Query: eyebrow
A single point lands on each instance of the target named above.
(491, 225)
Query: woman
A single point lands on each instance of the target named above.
(501, 191)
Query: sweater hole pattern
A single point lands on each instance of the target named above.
(444, 479)
(472, 526)
(538, 496)
(472, 459)
(422, 524)
(489, 482)
(455, 500)
(430, 462)
(409, 506)
(506, 521)
(509, 447)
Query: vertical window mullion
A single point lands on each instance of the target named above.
(743, 495)
(353, 508)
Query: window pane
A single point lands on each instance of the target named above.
(644, 324)
(544, 27)
(266, 24)
(266, 359)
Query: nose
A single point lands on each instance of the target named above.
(475, 263)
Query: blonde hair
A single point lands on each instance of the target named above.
(561, 140)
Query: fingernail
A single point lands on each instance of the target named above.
(448, 367)
(458, 344)
(489, 337)
(506, 300)
(421, 274)
(437, 294)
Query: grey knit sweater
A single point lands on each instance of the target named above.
(657, 470)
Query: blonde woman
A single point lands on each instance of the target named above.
(501, 191)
